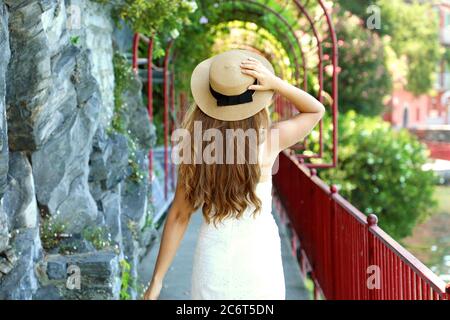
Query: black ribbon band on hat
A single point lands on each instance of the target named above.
(224, 100)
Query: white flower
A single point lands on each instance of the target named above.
(192, 5)
(174, 33)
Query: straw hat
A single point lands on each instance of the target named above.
(220, 89)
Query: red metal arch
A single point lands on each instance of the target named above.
(168, 96)
(252, 48)
(334, 93)
(291, 31)
(284, 105)
(316, 210)
(279, 103)
(291, 47)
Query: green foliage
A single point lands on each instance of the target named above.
(67, 248)
(365, 79)
(124, 80)
(380, 172)
(149, 17)
(134, 229)
(51, 232)
(98, 236)
(411, 29)
(194, 45)
(137, 174)
(447, 56)
(199, 35)
(358, 8)
(126, 280)
(148, 219)
(75, 40)
(156, 18)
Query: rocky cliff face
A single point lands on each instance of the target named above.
(71, 203)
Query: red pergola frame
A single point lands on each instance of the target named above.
(334, 94)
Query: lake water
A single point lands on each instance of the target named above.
(430, 241)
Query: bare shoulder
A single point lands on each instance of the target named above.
(272, 142)
(269, 153)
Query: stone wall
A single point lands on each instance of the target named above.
(69, 197)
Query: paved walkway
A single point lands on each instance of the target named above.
(178, 279)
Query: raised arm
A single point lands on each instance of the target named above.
(292, 130)
(176, 224)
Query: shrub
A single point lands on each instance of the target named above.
(156, 18)
(364, 79)
(98, 236)
(124, 79)
(52, 231)
(380, 172)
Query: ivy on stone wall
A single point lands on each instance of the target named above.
(152, 18)
(149, 17)
(123, 75)
(124, 80)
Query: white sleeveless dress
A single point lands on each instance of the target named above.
(241, 258)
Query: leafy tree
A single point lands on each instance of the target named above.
(358, 8)
(380, 172)
(150, 17)
(364, 79)
(157, 18)
(411, 29)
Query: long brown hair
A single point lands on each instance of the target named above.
(222, 189)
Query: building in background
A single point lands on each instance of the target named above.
(428, 115)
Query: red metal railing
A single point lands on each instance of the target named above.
(168, 93)
(347, 255)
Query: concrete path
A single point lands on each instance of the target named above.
(178, 279)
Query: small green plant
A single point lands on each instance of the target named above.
(67, 248)
(148, 220)
(156, 18)
(127, 280)
(137, 175)
(98, 236)
(52, 232)
(75, 40)
(124, 79)
(133, 227)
